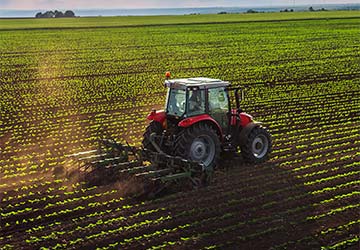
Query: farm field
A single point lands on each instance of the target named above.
(64, 86)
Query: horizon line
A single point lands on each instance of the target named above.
(199, 7)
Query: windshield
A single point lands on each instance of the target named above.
(176, 102)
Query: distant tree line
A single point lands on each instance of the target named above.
(287, 10)
(55, 14)
(312, 9)
(252, 11)
(248, 11)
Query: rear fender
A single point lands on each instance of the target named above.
(159, 116)
(245, 118)
(188, 122)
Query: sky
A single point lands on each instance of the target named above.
(130, 4)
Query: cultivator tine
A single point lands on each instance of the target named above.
(93, 157)
(154, 173)
(133, 150)
(108, 161)
(173, 177)
(137, 170)
(82, 153)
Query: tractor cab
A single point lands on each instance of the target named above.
(194, 97)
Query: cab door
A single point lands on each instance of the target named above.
(218, 102)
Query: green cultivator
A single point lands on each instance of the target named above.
(114, 161)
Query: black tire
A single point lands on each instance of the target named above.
(257, 146)
(153, 127)
(196, 142)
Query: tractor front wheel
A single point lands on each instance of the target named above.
(257, 146)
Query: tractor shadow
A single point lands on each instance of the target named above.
(275, 205)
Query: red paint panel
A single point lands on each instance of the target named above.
(192, 120)
(245, 119)
(158, 116)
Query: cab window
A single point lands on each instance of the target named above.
(219, 106)
(196, 102)
(218, 100)
(176, 102)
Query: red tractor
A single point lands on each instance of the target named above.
(199, 123)
(185, 140)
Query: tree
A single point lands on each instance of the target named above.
(311, 8)
(48, 14)
(58, 14)
(69, 13)
(251, 11)
(38, 15)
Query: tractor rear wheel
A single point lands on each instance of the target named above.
(153, 127)
(257, 146)
(199, 143)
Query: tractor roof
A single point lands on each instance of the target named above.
(198, 82)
